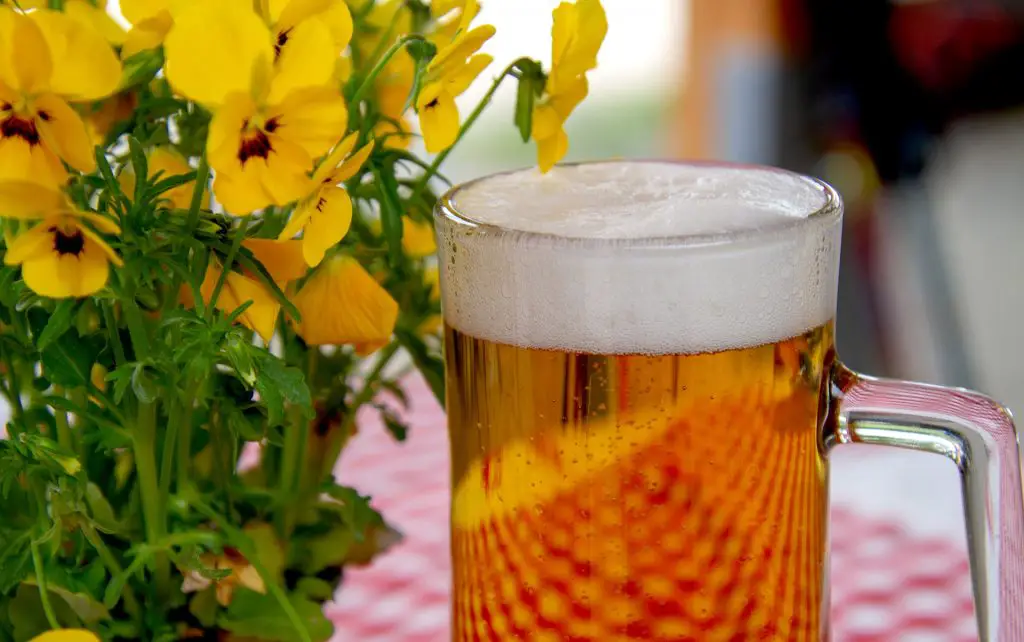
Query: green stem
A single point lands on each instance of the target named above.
(15, 396)
(229, 261)
(366, 394)
(441, 157)
(44, 590)
(248, 549)
(115, 335)
(180, 414)
(131, 603)
(145, 465)
(137, 329)
(60, 417)
(196, 204)
(377, 69)
(294, 450)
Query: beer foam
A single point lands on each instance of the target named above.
(640, 257)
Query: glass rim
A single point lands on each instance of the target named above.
(832, 209)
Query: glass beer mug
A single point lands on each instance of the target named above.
(643, 393)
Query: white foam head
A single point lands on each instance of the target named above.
(640, 257)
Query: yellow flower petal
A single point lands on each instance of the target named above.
(418, 238)
(60, 259)
(461, 77)
(570, 95)
(551, 150)
(225, 134)
(238, 289)
(342, 304)
(577, 34)
(84, 65)
(35, 163)
(147, 34)
(64, 131)
(439, 118)
(306, 59)
(24, 199)
(339, 21)
(352, 164)
(27, 64)
(241, 193)
(96, 18)
(285, 171)
(464, 46)
(329, 221)
(335, 158)
(312, 118)
(546, 122)
(282, 259)
(66, 635)
(136, 11)
(215, 49)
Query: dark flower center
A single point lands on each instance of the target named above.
(67, 243)
(256, 144)
(23, 128)
(432, 104)
(282, 40)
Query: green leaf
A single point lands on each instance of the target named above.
(60, 322)
(278, 384)
(15, 558)
(141, 167)
(8, 290)
(394, 424)
(29, 619)
(100, 510)
(116, 587)
(142, 67)
(356, 509)
(261, 617)
(390, 213)
(143, 385)
(268, 547)
(315, 589)
(524, 107)
(67, 361)
(203, 606)
(329, 550)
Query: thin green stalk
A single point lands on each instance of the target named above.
(245, 545)
(15, 396)
(377, 69)
(229, 260)
(63, 429)
(144, 437)
(44, 590)
(194, 207)
(131, 603)
(294, 449)
(180, 414)
(137, 329)
(115, 336)
(441, 157)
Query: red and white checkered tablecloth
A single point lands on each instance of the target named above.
(887, 585)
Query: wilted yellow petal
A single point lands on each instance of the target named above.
(96, 18)
(311, 118)
(306, 59)
(329, 220)
(439, 118)
(215, 49)
(84, 65)
(418, 238)
(282, 259)
(66, 635)
(64, 131)
(551, 150)
(238, 289)
(24, 199)
(342, 304)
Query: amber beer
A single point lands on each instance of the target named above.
(630, 459)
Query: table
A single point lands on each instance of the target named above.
(899, 561)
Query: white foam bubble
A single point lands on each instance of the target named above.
(640, 257)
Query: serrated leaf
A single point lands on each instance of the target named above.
(278, 385)
(15, 559)
(116, 587)
(60, 322)
(359, 516)
(67, 361)
(141, 167)
(261, 617)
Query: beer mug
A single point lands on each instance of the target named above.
(643, 393)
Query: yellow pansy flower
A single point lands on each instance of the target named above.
(66, 635)
(283, 260)
(269, 125)
(95, 17)
(60, 256)
(449, 74)
(242, 574)
(308, 34)
(46, 60)
(325, 216)
(576, 36)
(451, 16)
(168, 163)
(342, 304)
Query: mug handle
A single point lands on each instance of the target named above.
(979, 436)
